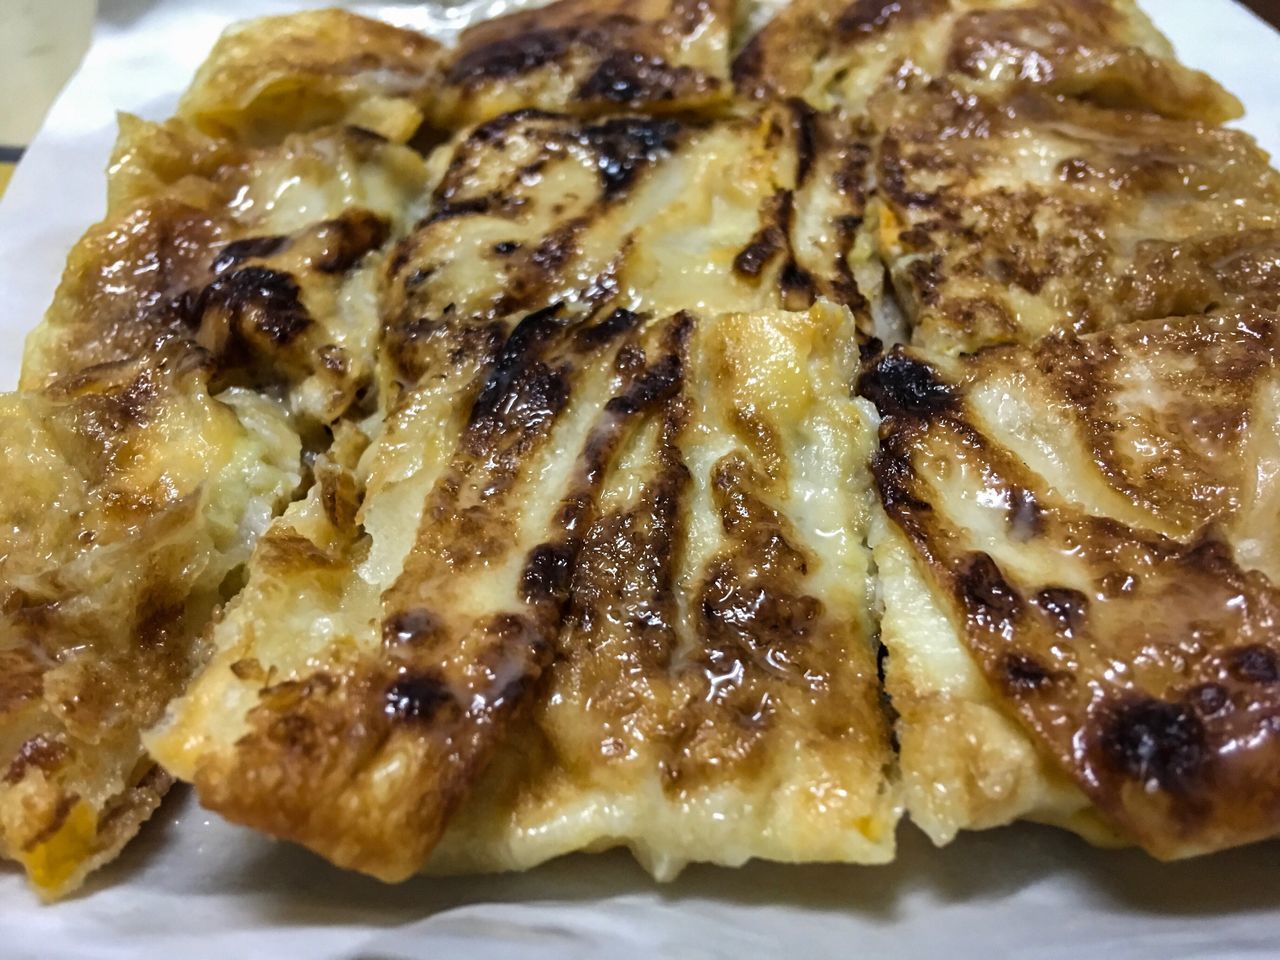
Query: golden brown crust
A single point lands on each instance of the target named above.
(1113, 216)
(1117, 599)
(202, 248)
(713, 694)
(274, 76)
(1103, 51)
(596, 572)
(590, 57)
(125, 491)
(369, 756)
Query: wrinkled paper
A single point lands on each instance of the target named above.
(195, 887)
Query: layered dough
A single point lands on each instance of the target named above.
(1082, 541)
(493, 412)
(1005, 220)
(1107, 52)
(131, 497)
(584, 501)
(204, 338)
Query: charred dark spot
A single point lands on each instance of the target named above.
(249, 669)
(926, 277)
(508, 627)
(618, 322)
(798, 288)
(1208, 699)
(130, 406)
(576, 510)
(1156, 743)
(631, 358)
(450, 211)
(504, 247)
(334, 359)
(400, 257)
(867, 17)
(510, 56)
(851, 176)
(251, 301)
(748, 68)
(900, 385)
(626, 145)
(40, 753)
(349, 237)
(66, 803)
(762, 248)
(555, 249)
(1066, 607)
(634, 79)
(804, 121)
(754, 612)
(1023, 673)
(411, 628)
(776, 215)
(1210, 554)
(248, 249)
(771, 238)
(986, 594)
(516, 352)
(1254, 664)
(417, 697)
(548, 572)
(660, 382)
(895, 482)
(893, 177)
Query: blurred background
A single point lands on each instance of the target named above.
(41, 44)
(43, 41)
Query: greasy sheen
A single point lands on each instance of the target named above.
(551, 341)
(1095, 515)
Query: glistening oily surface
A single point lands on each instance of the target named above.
(707, 917)
(1094, 512)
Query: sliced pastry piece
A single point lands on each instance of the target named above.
(1000, 221)
(1104, 51)
(130, 499)
(221, 269)
(273, 76)
(396, 621)
(1079, 575)
(712, 694)
(590, 57)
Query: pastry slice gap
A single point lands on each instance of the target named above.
(1077, 564)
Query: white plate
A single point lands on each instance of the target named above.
(195, 887)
